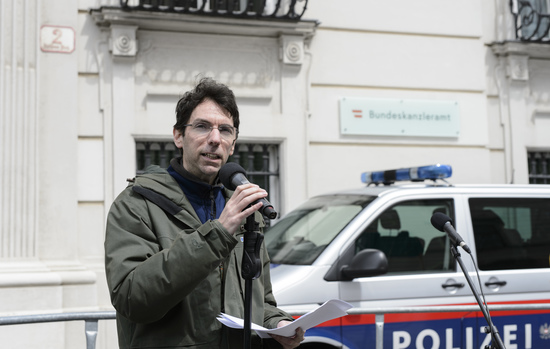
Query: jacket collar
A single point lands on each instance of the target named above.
(177, 164)
(160, 181)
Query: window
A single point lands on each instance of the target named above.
(539, 167)
(302, 235)
(511, 233)
(261, 162)
(406, 236)
(154, 153)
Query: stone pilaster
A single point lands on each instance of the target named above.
(18, 130)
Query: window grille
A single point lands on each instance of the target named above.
(260, 160)
(154, 153)
(280, 9)
(539, 167)
(531, 20)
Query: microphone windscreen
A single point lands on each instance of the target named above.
(227, 171)
(439, 219)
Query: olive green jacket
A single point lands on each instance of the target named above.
(170, 276)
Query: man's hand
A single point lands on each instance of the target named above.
(236, 208)
(289, 342)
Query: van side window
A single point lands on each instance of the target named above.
(411, 244)
(511, 233)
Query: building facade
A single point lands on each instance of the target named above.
(88, 90)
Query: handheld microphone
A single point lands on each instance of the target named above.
(442, 222)
(232, 175)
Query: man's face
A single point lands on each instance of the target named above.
(204, 155)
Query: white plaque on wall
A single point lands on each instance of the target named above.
(57, 39)
(399, 117)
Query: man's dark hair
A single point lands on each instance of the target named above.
(207, 88)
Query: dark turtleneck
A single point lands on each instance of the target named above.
(207, 200)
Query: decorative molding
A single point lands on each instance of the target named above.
(39, 278)
(122, 42)
(533, 50)
(517, 67)
(178, 60)
(292, 49)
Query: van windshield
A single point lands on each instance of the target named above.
(303, 234)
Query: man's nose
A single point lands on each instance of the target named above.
(214, 136)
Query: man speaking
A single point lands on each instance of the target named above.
(173, 245)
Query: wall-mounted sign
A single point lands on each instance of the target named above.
(57, 39)
(399, 117)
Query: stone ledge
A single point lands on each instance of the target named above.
(31, 274)
(176, 22)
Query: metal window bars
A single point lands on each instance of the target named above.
(275, 9)
(260, 160)
(531, 20)
(539, 167)
(154, 152)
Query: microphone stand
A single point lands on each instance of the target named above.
(497, 341)
(251, 269)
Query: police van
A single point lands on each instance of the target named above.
(375, 247)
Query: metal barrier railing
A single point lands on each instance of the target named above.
(91, 318)
(90, 321)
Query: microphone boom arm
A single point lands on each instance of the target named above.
(497, 341)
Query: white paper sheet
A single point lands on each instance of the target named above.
(331, 309)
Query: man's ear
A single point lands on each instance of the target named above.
(178, 138)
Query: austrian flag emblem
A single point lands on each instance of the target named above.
(544, 331)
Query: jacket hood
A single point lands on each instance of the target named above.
(160, 181)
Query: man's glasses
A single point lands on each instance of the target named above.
(202, 129)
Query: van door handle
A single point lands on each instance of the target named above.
(495, 283)
(453, 285)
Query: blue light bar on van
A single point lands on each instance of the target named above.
(421, 173)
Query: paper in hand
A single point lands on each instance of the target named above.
(331, 309)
